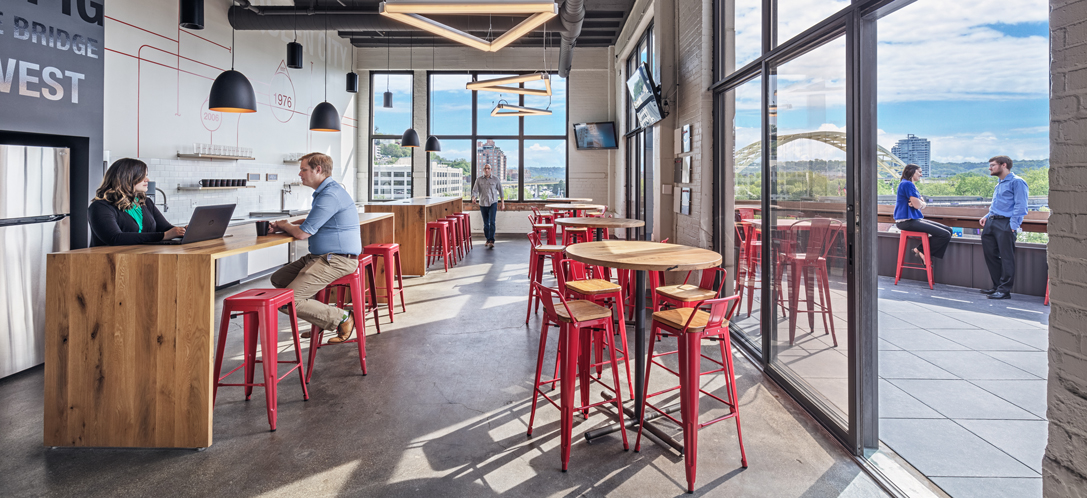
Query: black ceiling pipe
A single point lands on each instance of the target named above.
(572, 14)
(191, 14)
(294, 55)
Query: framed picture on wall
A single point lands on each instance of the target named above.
(677, 176)
(685, 201)
(686, 170)
(686, 138)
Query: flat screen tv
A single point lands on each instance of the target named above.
(643, 94)
(596, 136)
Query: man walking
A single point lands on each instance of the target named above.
(1001, 225)
(335, 242)
(486, 193)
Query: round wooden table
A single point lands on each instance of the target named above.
(600, 224)
(641, 256)
(576, 207)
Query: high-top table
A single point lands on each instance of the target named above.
(578, 208)
(641, 256)
(130, 335)
(600, 224)
(568, 199)
(412, 215)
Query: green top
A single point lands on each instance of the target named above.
(136, 212)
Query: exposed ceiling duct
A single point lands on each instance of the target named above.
(572, 15)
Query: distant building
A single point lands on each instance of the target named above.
(489, 153)
(914, 150)
(446, 181)
(392, 181)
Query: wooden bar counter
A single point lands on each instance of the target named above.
(129, 339)
(412, 215)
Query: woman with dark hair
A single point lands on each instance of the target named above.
(120, 214)
(908, 215)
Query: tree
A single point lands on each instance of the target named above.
(1037, 180)
(973, 185)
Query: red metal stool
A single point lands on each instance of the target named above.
(539, 252)
(1046, 302)
(456, 238)
(437, 243)
(576, 284)
(690, 326)
(353, 284)
(690, 296)
(576, 320)
(260, 308)
(466, 230)
(570, 235)
(390, 253)
(903, 237)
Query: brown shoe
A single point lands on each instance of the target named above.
(305, 335)
(343, 332)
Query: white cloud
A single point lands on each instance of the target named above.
(539, 147)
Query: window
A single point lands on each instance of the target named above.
(527, 153)
(390, 164)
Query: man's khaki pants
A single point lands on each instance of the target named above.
(307, 276)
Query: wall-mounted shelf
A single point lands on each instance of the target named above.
(197, 187)
(213, 157)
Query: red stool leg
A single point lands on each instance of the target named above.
(399, 280)
(251, 323)
(269, 359)
(690, 354)
(389, 278)
(372, 291)
(733, 397)
(539, 370)
(224, 324)
(359, 309)
(901, 252)
(445, 248)
(569, 341)
(610, 332)
(293, 317)
(928, 261)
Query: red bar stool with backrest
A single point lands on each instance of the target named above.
(390, 253)
(690, 296)
(538, 253)
(903, 237)
(821, 235)
(571, 235)
(260, 309)
(750, 261)
(456, 238)
(437, 243)
(576, 321)
(690, 326)
(543, 228)
(352, 283)
(576, 284)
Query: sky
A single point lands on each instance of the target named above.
(960, 74)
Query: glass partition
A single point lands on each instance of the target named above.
(744, 103)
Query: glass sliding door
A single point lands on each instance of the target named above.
(744, 105)
(806, 223)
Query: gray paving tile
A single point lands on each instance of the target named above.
(983, 340)
(990, 320)
(1029, 395)
(888, 322)
(906, 365)
(974, 365)
(929, 320)
(961, 399)
(991, 487)
(1024, 440)
(825, 364)
(1035, 362)
(895, 403)
(1034, 337)
(944, 448)
(886, 346)
(919, 340)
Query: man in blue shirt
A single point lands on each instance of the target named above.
(335, 242)
(1001, 225)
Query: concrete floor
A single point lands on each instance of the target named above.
(442, 413)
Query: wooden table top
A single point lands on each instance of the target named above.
(415, 201)
(589, 222)
(243, 238)
(568, 207)
(568, 199)
(643, 255)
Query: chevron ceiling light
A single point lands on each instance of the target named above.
(503, 109)
(495, 85)
(412, 12)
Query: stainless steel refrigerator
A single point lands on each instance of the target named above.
(34, 209)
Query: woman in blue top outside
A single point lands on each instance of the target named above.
(908, 215)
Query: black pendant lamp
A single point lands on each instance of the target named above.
(432, 143)
(191, 14)
(294, 50)
(231, 91)
(411, 137)
(387, 99)
(324, 116)
(352, 77)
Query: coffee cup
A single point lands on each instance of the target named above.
(262, 228)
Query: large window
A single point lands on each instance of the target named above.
(639, 144)
(390, 164)
(528, 153)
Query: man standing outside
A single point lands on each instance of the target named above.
(332, 231)
(1001, 225)
(486, 193)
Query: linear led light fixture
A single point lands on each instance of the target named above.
(516, 110)
(412, 13)
(495, 85)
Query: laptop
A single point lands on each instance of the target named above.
(207, 222)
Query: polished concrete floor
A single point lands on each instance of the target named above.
(443, 412)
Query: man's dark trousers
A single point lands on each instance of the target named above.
(998, 243)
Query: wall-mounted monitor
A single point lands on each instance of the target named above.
(643, 93)
(596, 136)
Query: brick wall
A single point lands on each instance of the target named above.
(1064, 468)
